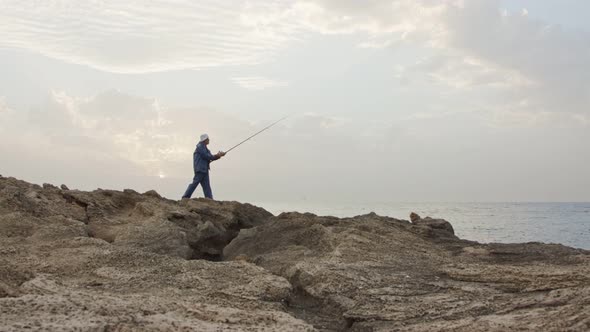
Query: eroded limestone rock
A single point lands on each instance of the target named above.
(372, 273)
(125, 261)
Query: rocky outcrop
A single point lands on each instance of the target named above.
(372, 273)
(125, 261)
(438, 228)
(187, 229)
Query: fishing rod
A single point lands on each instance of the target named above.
(263, 129)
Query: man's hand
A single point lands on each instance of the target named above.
(220, 154)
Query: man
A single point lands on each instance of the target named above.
(201, 160)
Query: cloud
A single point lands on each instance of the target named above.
(151, 139)
(137, 36)
(117, 140)
(469, 45)
(484, 55)
(108, 125)
(257, 82)
(467, 62)
(555, 59)
(399, 19)
(463, 73)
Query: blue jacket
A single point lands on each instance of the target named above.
(201, 158)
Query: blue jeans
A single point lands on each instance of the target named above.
(203, 179)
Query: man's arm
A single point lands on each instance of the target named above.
(218, 155)
(205, 154)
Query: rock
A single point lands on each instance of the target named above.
(432, 227)
(152, 193)
(437, 224)
(476, 251)
(112, 260)
(155, 237)
(60, 228)
(64, 187)
(11, 277)
(19, 225)
(381, 274)
(55, 276)
(126, 218)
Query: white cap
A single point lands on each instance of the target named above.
(203, 138)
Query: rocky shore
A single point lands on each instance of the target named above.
(125, 261)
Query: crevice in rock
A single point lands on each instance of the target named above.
(74, 200)
(351, 324)
(207, 257)
(211, 248)
(323, 314)
(87, 220)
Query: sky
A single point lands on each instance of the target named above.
(389, 100)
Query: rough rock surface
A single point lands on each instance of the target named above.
(372, 273)
(438, 228)
(124, 261)
(121, 261)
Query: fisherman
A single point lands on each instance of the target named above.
(202, 157)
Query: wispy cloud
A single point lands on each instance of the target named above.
(464, 72)
(138, 36)
(469, 46)
(257, 82)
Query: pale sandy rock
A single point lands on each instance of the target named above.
(122, 261)
(152, 193)
(391, 275)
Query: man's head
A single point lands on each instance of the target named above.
(204, 139)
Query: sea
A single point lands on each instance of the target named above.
(564, 223)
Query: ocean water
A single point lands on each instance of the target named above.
(565, 223)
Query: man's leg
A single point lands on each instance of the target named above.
(206, 186)
(191, 187)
